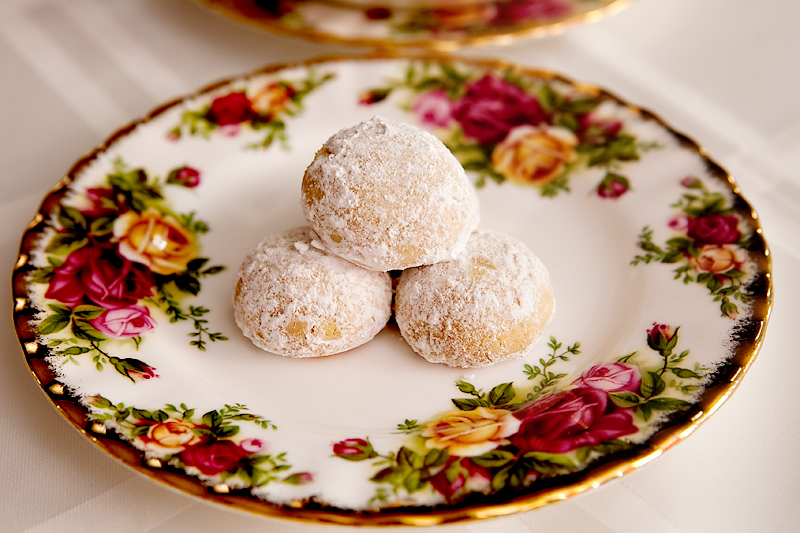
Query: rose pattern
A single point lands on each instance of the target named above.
(261, 106)
(469, 433)
(611, 377)
(531, 154)
(114, 256)
(714, 229)
(507, 438)
(157, 241)
(708, 246)
(207, 446)
(126, 322)
(101, 277)
(715, 259)
(187, 176)
(524, 129)
(170, 436)
(492, 107)
(564, 421)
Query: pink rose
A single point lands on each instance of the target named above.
(124, 322)
(662, 338)
(564, 421)
(514, 11)
(690, 182)
(714, 229)
(101, 276)
(186, 176)
(253, 445)
(434, 108)
(492, 107)
(213, 457)
(611, 377)
(679, 223)
(233, 108)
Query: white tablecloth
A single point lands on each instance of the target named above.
(724, 71)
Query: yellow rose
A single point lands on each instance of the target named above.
(169, 437)
(534, 154)
(155, 240)
(471, 433)
(272, 98)
(718, 259)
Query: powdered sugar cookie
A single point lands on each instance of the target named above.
(488, 305)
(294, 298)
(389, 196)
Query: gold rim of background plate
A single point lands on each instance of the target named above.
(530, 30)
(729, 376)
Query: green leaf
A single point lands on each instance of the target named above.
(685, 373)
(188, 283)
(502, 394)
(409, 458)
(85, 331)
(466, 388)
(494, 459)
(468, 404)
(53, 324)
(212, 418)
(412, 482)
(64, 243)
(87, 312)
(70, 218)
(624, 399)
(644, 411)
(436, 457)
(554, 458)
(652, 385)
(76, 350)
(224, 432)
(668, 404)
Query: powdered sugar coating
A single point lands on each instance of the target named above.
(295, 299)
(389, 196)
(488, 305)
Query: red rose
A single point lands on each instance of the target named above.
(213, 457)
(233, 108)
(354, 449)
(492, 107)
(101, 276)
(613, 186)
(521, 10)
(186, 176)
(564, 421)
(714, 229)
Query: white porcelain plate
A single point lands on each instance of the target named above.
(124, 281)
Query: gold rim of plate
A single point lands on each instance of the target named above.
(245, 11)
(749, 338)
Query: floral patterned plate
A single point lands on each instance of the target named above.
(124, 280)
(421, 24)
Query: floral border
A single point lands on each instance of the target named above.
(708, 246)
(114, 255)
(208, 446)
(515, 436)
(257, 107)
(509, 126)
